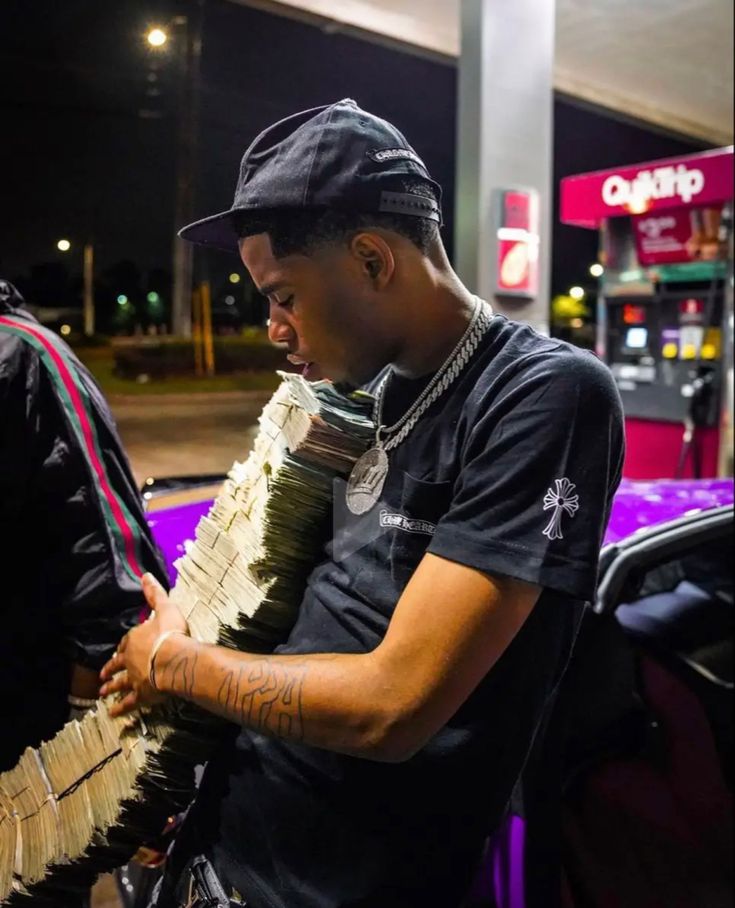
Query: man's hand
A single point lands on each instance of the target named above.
(130, 665)
(450, 627)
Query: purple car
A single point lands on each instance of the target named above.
(639, 740)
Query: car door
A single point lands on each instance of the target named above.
(651, 825)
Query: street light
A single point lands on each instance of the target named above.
(596, 270)
(64, 245)
(156, 37)
(184, 35)
(576, 293)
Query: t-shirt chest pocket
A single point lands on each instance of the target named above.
(412, 525)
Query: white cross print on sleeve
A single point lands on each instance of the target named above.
(562, 500)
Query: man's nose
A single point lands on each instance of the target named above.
(279, 331)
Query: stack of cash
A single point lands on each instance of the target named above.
(61, 799)
(82, 802)
(26, 788)
(241, 580)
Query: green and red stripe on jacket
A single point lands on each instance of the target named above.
(77, 406)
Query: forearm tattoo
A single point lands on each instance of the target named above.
(266, 696)
(181, 672)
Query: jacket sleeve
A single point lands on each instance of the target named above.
(77, 509)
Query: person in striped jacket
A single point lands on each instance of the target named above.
(73, 536)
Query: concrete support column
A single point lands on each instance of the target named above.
(504, 139)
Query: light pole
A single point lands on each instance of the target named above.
(88, 296)
(187, 40)
(65, 245)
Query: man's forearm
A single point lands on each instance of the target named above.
(385, 704)
(331, 701)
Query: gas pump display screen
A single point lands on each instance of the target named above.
(636, 338)
(634, 315)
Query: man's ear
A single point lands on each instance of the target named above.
(375, 258)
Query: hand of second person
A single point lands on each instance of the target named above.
(127, 673)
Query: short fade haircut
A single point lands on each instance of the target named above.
(301, 231)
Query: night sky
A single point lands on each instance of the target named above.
(89, 125)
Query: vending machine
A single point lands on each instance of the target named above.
(664, 310)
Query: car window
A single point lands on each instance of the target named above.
(685, 605)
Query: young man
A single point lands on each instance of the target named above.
(421, 664)
(73, 537)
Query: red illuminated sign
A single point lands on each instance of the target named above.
(679, 235)
(691, 312)
(518, 239)
(700, 180)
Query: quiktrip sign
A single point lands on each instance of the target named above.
(703, 179)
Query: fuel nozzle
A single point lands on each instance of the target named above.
(701, 397)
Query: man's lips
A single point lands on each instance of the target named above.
(310, 369)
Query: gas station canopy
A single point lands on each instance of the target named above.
(667, 62)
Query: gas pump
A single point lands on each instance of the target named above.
(664, 309)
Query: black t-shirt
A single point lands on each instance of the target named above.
(512, 472)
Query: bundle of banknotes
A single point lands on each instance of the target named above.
(84, 801)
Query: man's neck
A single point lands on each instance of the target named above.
(435, 329)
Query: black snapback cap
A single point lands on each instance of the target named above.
(337, 156)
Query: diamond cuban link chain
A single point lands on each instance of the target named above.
(369, 473)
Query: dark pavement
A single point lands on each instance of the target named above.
(177, 435)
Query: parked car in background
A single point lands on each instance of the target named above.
(639, 741)
(176, 503)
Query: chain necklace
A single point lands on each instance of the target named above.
(369, 473)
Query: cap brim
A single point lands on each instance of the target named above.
(217, 231)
